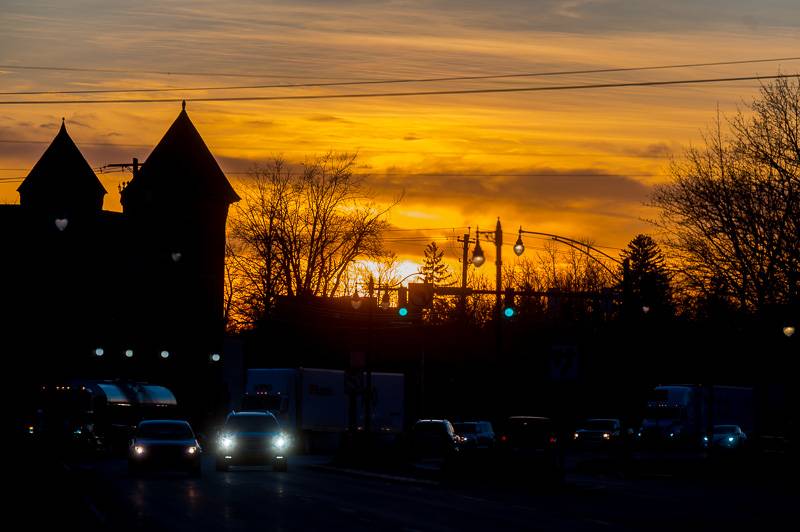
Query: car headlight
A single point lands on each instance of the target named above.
(280, 442)
(731, 438)
(606, 436)
(227, 442)
(191, 450)
(138, 450)
(576, 436)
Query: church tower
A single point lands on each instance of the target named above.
(62, 183)
(176, 205)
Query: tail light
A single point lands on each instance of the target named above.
(552, 440)
(503, 438)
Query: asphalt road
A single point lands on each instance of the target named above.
(312, 498)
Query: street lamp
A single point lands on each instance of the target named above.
(789, 331)
(215, 357)
(478, 259)
(519, 247)
(99, 352)
(477, 255)
(129, 353)
(165, 354)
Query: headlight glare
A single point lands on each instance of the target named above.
(280, 442)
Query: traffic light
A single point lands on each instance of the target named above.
(509, 308)
(402, 301)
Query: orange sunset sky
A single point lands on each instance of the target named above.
(576, 163)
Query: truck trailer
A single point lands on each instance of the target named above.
(681, 415)
(308, 402)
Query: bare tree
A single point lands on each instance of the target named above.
(731, 211)
(300, 229)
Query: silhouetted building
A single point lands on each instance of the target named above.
(148, 280)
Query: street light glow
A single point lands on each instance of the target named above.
(99, 351)
(519, 247)
(165, 354)
(789, 331)
(215, 357)
(129, 353)
(477, 255)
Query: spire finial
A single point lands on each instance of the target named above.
(183, 105)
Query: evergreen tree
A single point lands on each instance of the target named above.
(648, 279)
(434, 270)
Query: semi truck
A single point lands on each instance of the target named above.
(315, 404)
(308, 402)
(681, 415)
(93, 415)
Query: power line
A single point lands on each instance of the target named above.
(15, 141)
(152, 72)
(432, 229)
(405, 94)
(401, 80)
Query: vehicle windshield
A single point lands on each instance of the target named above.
(432, 427)
(465, 428)
(251, 424)
(261, 402)
(600, 424)
(529, 428)
(664, 412)
(165, 431)
(725, 429)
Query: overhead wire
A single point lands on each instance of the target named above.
(401, 80)
(448, 92)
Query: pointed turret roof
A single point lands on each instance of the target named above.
(181, 167)
(62, 177)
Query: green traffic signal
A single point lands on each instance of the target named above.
(402, 311)
(509, 312)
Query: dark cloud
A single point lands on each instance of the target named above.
(325, 118)
(260, 123)
(523, 190)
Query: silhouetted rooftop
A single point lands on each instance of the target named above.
(181, 167)
(62, 176)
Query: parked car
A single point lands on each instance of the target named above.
(166, 445)
(475, 434)
(599, 433)
(434, 439)
(530, 445)
(726, 437)
(252, 438)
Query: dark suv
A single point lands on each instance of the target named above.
(434, 439)
(530, 445)
(252, 438)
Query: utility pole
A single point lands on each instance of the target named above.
(464, 267)
(498, 244)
